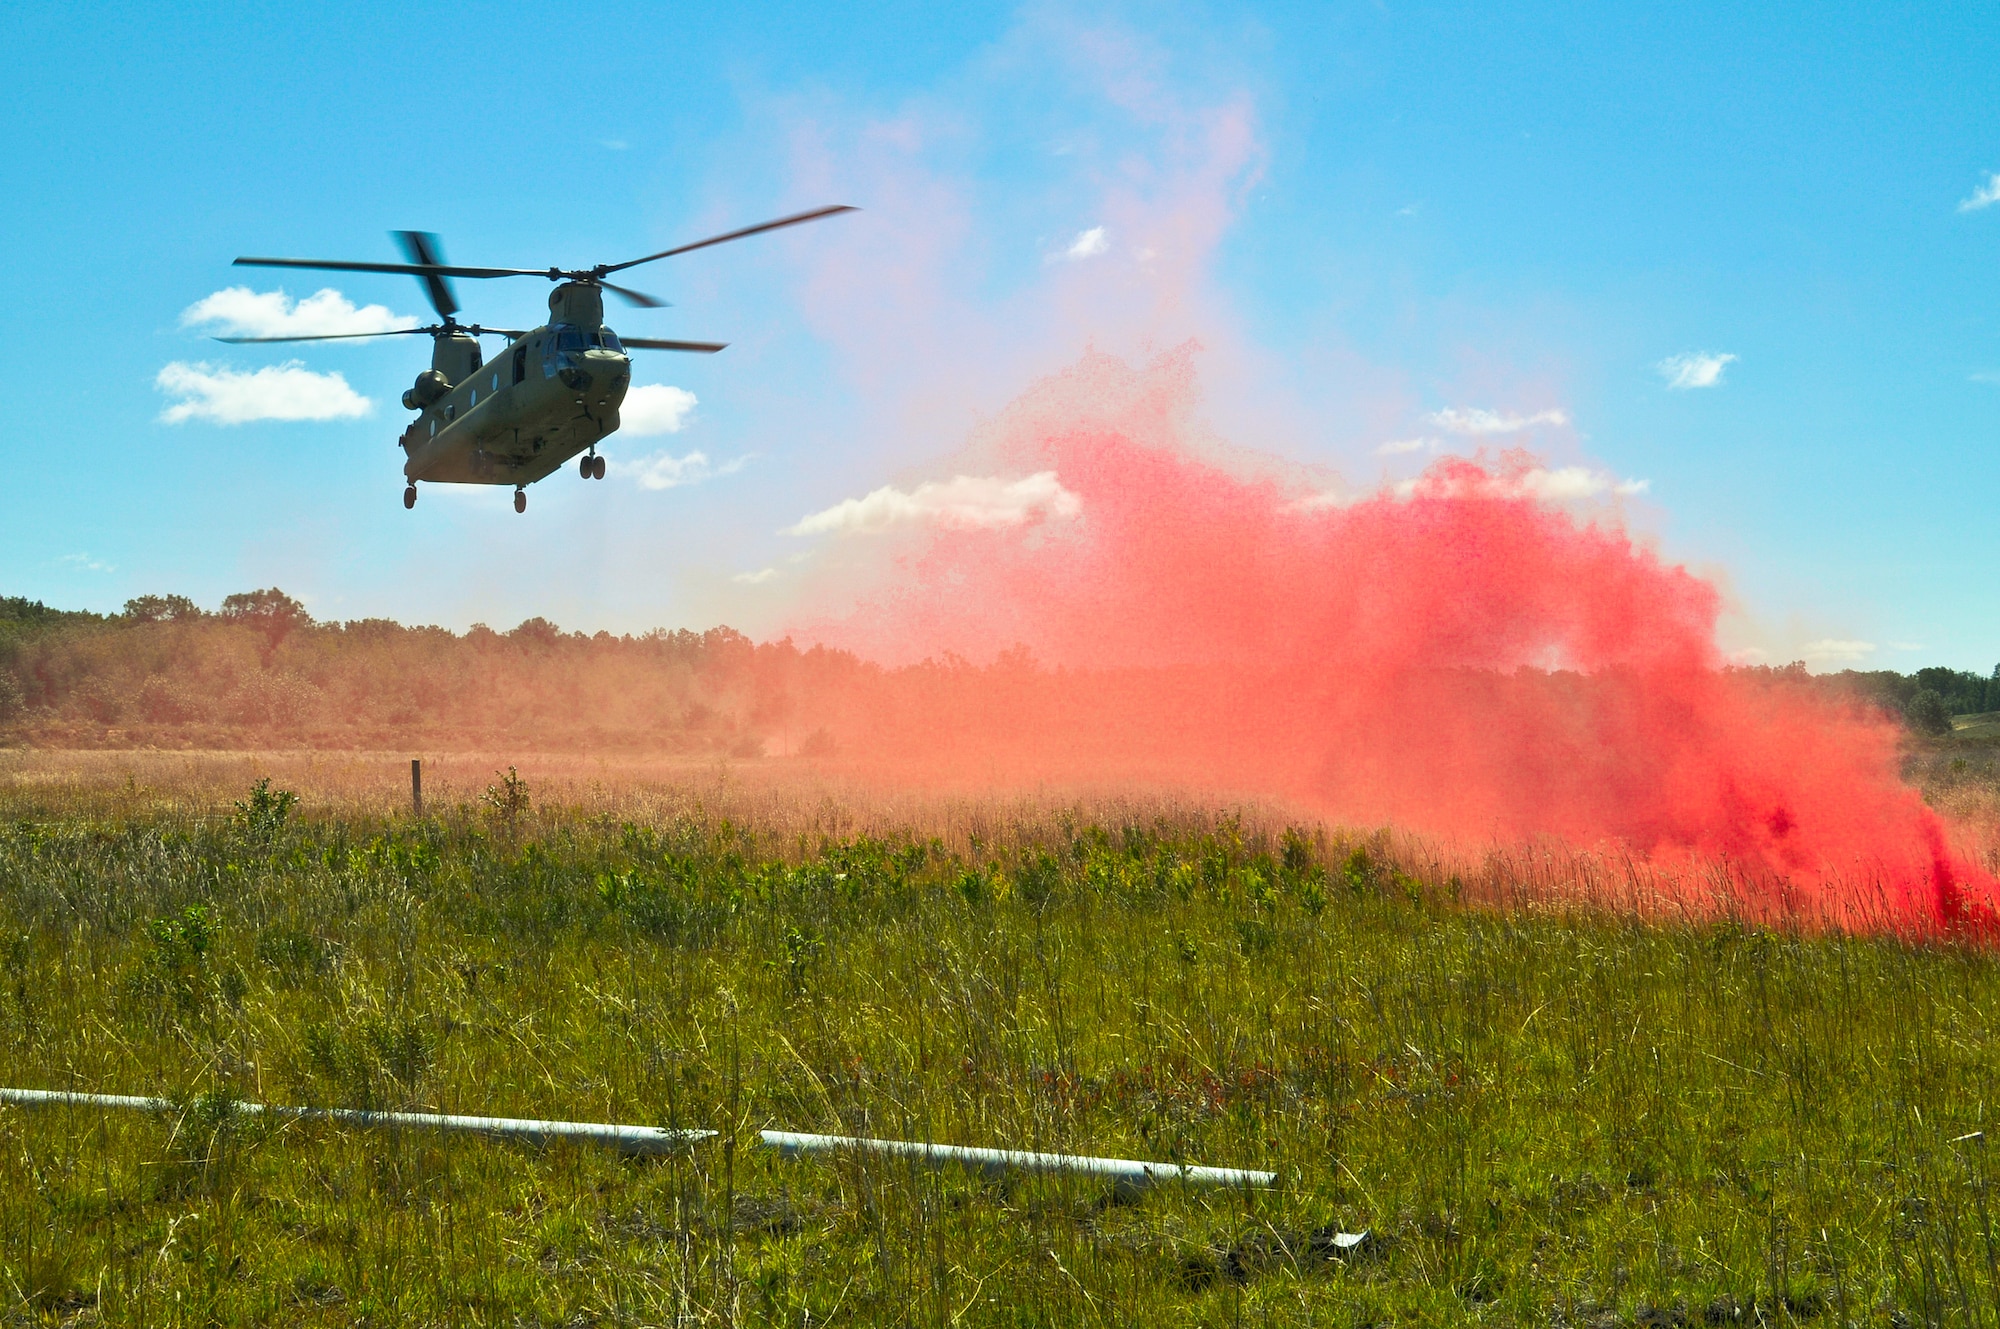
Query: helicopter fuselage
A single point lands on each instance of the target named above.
(553, 393)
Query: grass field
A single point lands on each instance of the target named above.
(1542, 1111)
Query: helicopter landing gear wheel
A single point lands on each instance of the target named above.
(597, 468)
(520, 500)
(409, 496)
(583, 467)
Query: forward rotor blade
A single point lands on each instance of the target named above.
(408, 269)
(326, 336)
(654, 344)
(758, 229)
(426, 250)
(632, 297)
(511, 334)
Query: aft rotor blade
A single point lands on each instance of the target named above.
(632, 297)
(326, 336)
(408, 269)
(426, 250)
(758, 229)
(654, 344)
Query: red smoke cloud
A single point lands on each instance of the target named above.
(1460, 659)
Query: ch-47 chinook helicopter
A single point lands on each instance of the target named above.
(553, 394)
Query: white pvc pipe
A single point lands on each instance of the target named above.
(625, 1139)
(1129, 1174)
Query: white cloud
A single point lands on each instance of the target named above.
(655, 408)
(1983, 197)
(1088, 244)
(242, 312)
(1321, 499)
(226, 396)
(1834, 650)
(663, 470)
(85, 563)
(1986, 376)
(613, 144)
(980, 501)
(1569, 483)
(757, 578)
(1695, 369)
(1564, 484)
(1397, 447)
(1463, 420)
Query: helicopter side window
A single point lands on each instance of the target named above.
(520, 362)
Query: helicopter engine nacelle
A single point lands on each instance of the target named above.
(430, 386)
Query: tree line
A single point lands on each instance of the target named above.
(166, 672)
(1926, 700)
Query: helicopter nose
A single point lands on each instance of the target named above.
(614, 375)
(600, 370)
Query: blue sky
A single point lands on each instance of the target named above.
(1380, 219)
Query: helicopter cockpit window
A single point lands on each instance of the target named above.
(609, 341)
(571, 339)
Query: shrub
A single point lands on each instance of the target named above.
(508, 800)
(265, 812)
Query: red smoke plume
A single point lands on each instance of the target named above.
(1460, 659)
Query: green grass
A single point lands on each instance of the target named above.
(1543, 1115)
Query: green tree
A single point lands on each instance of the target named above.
(161, 609)
(271, 612)
(18, 609)
(1964, 692)
(1927, 712)
(537, 632)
